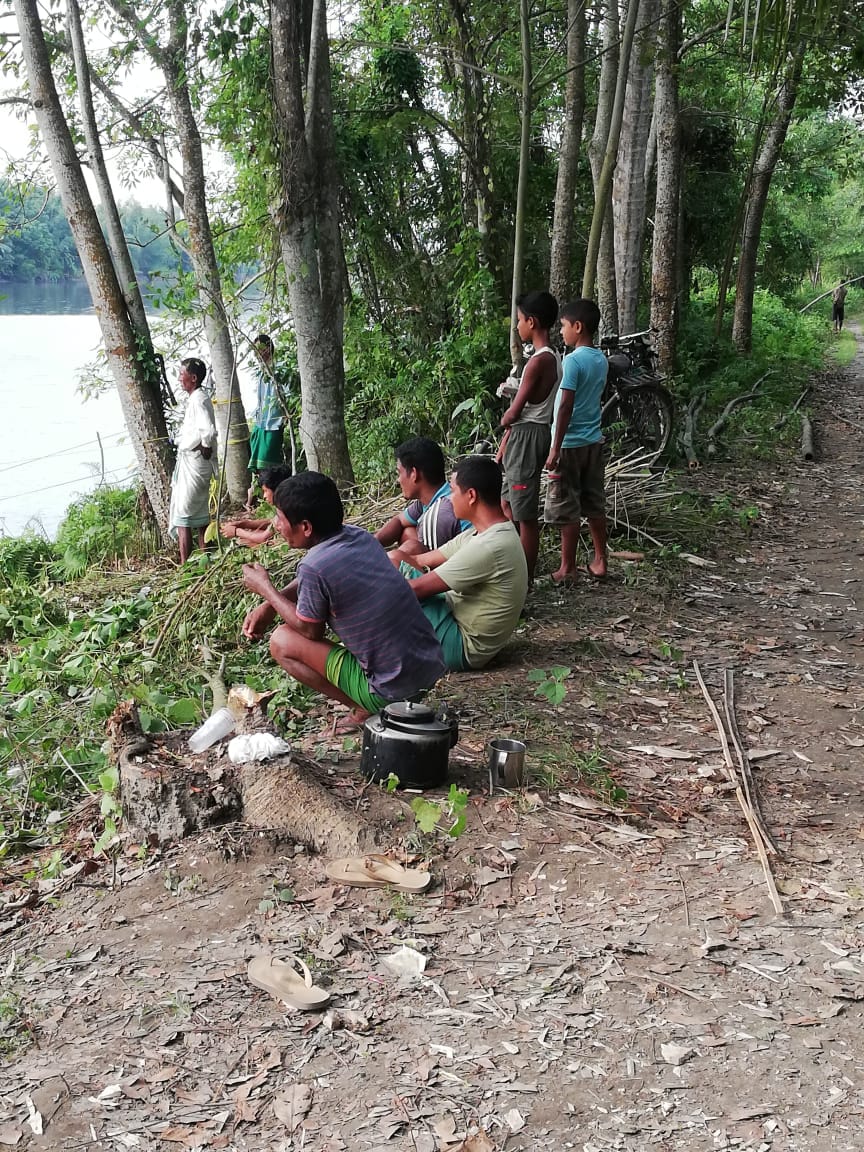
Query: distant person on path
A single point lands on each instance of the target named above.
(528, 421)
(429, 520)
(255, 532)
(267, 438)
(196, 460)
(387, 649)
(575, 463)
(838, 305)
(473, 588)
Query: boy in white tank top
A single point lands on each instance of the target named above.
(528, 421)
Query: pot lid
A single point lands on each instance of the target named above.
(404, 712)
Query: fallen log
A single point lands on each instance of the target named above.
(734, 403)
(807, 451)
(168, 792)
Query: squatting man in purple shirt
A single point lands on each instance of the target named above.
(388, 649)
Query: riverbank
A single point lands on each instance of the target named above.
(603, 962)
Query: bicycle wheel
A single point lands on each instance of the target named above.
(639, 416)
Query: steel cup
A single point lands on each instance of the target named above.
(506, 763)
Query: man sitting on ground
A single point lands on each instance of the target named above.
(388, 649)
(429, 520)
(255, 532)
(474, 587)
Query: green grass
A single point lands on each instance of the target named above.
(844, 349)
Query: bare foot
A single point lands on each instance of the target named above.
(597, 569)
(563, 577)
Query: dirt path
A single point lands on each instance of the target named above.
(594, 979)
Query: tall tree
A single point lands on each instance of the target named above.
(667, 112)
(172, 60)
(307, 220)
(629, 189)
(138, 391)
(560, 275)
(522, 184)
(757, 197)
(600, 272)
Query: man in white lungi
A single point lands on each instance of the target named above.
(196, 460)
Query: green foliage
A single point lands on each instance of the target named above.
(449, 812)
(24, 560)
(550, 684)
(99, 528)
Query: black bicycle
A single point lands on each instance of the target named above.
(638, 410)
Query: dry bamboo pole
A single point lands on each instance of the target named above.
(739, 795)
(845, 284)
(779, 423)
(744, 762)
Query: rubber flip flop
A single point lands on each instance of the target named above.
(285, 983)
(375, 871)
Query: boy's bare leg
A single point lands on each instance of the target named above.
(529, 534)
(506, 509)
(569, 542)
(306, 661)
(184, 539)
(597, 527)
(202, 543)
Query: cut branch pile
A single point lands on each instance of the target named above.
(634, 490)
(734, 403)
(742, 779)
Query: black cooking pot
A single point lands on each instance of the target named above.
(409, 741)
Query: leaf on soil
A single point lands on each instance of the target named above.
(10, 1135)
(583, 802)
(514, 1120)
(675, 1054)
(486, 876)
(291, 1104)
(662, 751)
(478, 1142)
(697, 561)
(337, 1018)
(445, 1131)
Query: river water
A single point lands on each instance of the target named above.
(49, 450)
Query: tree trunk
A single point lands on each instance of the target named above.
(629, 185)
(308, 226)
(230, 417)
(603, 259)
(522, 185)
(478, 195)
(139, 395)
(664, 262)
(757, 198)
(560, 275)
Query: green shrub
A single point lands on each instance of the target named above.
(101, 527)
(24, 559)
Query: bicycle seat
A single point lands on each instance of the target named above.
(619, 366)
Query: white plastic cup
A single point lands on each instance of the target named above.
(214, 728)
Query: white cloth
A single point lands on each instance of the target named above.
(190, 485)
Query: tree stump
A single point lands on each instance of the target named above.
(168, 792)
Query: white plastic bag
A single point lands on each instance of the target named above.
(256, 746)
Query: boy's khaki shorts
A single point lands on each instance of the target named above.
(526, 452)
(580, 489)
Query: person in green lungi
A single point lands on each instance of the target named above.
(267, 439)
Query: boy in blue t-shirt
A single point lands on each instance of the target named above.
(575, 464)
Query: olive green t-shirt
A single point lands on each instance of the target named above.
(487, 576)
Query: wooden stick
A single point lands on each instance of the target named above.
(730, 408)
(779, 423)
(807, 453)
(694, 408)
(744, 762)
(739, 795)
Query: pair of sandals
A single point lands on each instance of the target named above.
(291, 981)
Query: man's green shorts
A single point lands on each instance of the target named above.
(343, 670)
(266, 449)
